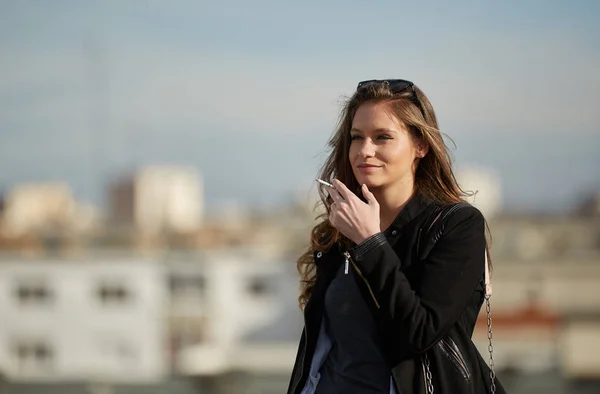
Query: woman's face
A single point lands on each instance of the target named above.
(382, 152)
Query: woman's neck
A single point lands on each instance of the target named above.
(392, 200)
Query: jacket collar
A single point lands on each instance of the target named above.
(415, 206)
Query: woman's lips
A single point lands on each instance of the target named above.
(368, 168)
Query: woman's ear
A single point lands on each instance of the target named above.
(422, 148)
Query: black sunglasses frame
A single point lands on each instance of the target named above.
(396, 86)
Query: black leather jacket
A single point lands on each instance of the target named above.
(424, 285)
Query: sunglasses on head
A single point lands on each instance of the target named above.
(395, 86)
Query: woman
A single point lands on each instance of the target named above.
(393, 281)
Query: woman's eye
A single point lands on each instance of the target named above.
(379, 137)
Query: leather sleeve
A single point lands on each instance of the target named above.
(368, 245)
(420, 316)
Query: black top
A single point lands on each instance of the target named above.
(356, 363)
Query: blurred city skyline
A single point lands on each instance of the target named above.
(134, 135)
(249, 95)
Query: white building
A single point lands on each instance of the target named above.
(78, 320)
(134, 321)
(223, 300)
(160, 198)
(38, 207)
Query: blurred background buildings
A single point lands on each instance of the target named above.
(156, 181)
(140, 297)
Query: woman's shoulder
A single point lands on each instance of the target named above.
(461, 210)
(447, 215)
(454, 220)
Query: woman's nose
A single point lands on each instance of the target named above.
(367, 149)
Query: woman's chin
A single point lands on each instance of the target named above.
(371, 183)
(373, 186)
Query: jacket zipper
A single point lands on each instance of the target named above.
(347, 262)
(453, 352)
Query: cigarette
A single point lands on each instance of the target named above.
(324, 183)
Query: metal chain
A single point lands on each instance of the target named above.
(490, 345)
(428, 376)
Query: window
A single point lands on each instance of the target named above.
(259, 286)
(33, 292)
(32, 355)
(114, 293)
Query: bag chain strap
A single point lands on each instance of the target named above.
(428, 376)
(490, 345)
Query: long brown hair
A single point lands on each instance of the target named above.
(434, 178)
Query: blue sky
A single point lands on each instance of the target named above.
(249, 93)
